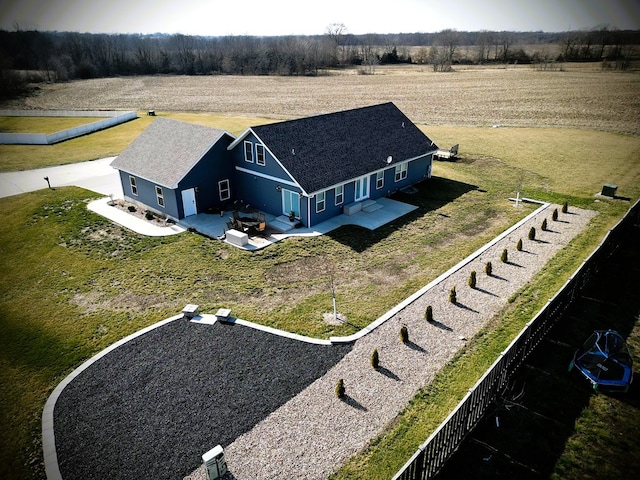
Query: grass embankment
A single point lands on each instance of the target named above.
(73, 283)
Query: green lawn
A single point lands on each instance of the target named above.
(46, 125)
(73, 283)
(105, 143)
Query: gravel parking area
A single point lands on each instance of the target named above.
(153, 406)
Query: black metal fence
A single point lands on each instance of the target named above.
(432, 454)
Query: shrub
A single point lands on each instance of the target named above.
(428, 314)
(452, 295)
(544, 225)
(488, 268)
(565, 207)
(519, 245)
(375, 359)
(504, 258)
(148, 215)
(404, 334)
(472, 279)
(131, 208)
(340, 389)
(554, 215)
(532, 233)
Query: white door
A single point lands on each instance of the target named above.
(362, 188)
(189, 202)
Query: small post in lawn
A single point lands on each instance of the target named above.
(333, 291)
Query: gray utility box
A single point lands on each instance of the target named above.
(609, 190)
(214, 463)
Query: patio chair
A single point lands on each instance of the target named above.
(262, 225)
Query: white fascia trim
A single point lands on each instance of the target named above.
(242, 136)
(267, 177)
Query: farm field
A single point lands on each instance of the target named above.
(563, 135)
(580, 96)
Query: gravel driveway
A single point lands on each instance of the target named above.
(153, 406)
(311, 435)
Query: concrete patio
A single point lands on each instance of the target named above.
(215, 225)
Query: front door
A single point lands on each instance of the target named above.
(290, 202)
(189, 202)
(362, 188)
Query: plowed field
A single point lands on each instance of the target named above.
(581, 96)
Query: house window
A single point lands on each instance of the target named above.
(224, 190)
(159, 196)
(134, 186)
(320, 202)
(260, 155)
(248, 152)
(379, 180)
(401, 171)
(339, 194)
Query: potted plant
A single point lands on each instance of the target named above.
(292, 216)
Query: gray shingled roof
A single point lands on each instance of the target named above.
(326, 150)
(167, 150)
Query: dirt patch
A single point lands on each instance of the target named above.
(330, 319)
(139, 212)
(301, 270)
(95, 301)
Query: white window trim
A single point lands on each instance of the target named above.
(341, 195)
(260, 147)
(248, 150)
(133, 183)
(159, 196)
(379, 180)
(221, 189)
(322, 202)
(401, 172)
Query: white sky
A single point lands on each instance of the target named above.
(292, 17)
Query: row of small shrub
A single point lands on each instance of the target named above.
(428, 314)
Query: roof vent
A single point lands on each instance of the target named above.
(402, 124)
(293, 151)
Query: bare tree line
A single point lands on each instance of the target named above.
(62, 56)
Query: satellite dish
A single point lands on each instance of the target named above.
(389, 159)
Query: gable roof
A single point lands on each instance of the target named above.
(326, 150)
(167, 150)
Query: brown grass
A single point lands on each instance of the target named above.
(580, 96)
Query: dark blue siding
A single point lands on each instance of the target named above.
(259, 186)
(147, 195)
(214, 166)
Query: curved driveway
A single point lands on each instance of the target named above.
(151, 407)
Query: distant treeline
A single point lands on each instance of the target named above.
(62, 56)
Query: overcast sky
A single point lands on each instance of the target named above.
(285, 17)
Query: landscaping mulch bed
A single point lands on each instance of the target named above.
(153, 406)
